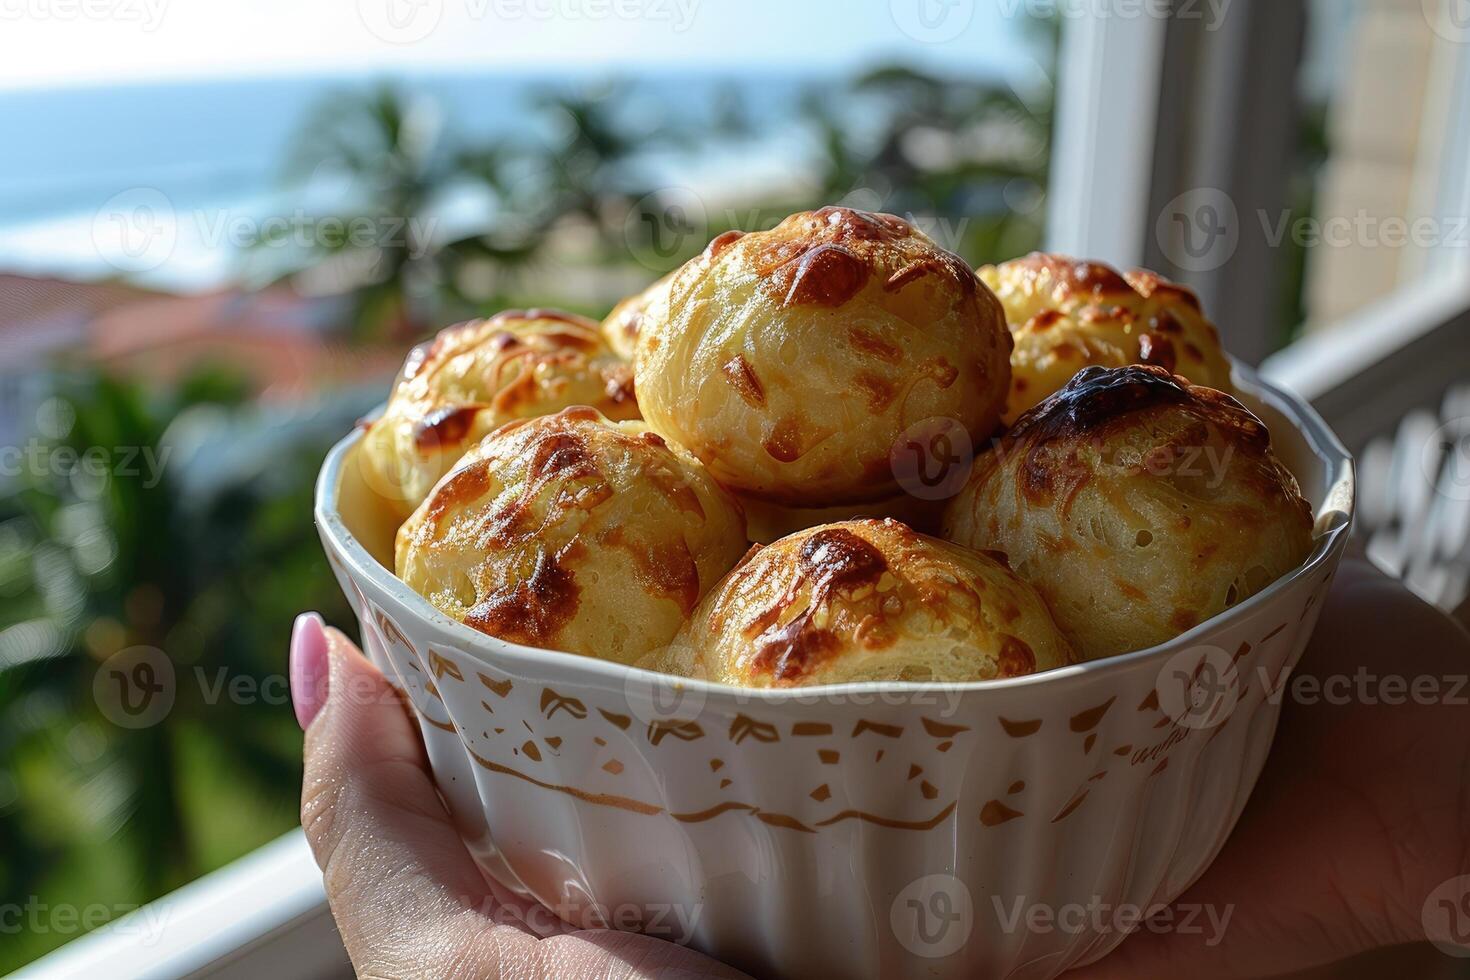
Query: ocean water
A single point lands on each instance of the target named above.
(217, 149)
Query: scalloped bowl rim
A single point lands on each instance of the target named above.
(1320, 440)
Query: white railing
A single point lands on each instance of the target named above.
(265, 915)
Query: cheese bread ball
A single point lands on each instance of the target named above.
(1139, 506)
(621, 327)
(570, 532)
(868, 600)
(1066, 314)
(475, 376)
(791, 360)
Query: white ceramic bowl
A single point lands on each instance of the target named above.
(857, 830)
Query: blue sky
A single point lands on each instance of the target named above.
(63, 42)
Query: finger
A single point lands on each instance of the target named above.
(402, 886)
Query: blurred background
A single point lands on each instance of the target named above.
(222, 222)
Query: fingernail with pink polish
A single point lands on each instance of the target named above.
(309, 671)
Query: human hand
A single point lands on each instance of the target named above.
(1363, 808)
(407, 896)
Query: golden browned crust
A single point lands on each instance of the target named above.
(867, 600)
(620, 328)
(1138, 504)
(574, 533)
(790, 360)
(475, 376)
(1066, 314)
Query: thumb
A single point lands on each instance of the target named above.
(400, 882)
(406, 894)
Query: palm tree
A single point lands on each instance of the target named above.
(384, 247)
(204, 570)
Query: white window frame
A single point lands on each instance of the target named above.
(264, 915)
(1150, 109)
(1147, 108)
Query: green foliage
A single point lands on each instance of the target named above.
(112, 554)
(967, 159)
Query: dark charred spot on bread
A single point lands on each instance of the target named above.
(1043, 320)
(562, 455)
(1192, 349)
(743, 379)
(793, 651)
(877, 390)
(1015, 658)
(864, 225)
(836, 558)
(721, 242)
(1157, 349)
(1097, 396)
(826, 257)
(869, 343)
(533, 609)
(783, 443)
(444, 428)
(827, 275)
